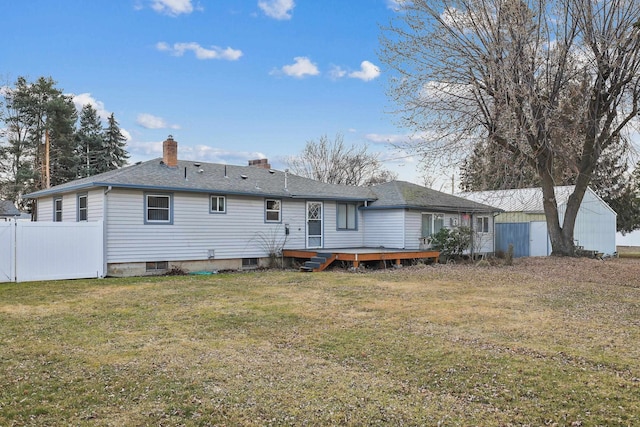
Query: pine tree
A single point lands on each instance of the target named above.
(64, 162)
(90, 143)
(115, 155)
(34, 113)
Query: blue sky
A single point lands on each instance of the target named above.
(232, 80)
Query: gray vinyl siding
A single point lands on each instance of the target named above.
(241, 232)
(384, 228)
(45, 209)
(413, 229)
(334, 238)
(70, 206)
(95, 204)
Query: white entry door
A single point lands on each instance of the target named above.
(314, 225)
(538, 239)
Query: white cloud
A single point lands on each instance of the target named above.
(301, 68)
(149, 121)
(277, 9)
(398, 5)
(378, 138)
(172, 7)
(367, 72)
(126, 134)
(83, 99)
(336, 72)
(215, 52)
(217, 155)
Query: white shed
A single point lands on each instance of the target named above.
(523, 222)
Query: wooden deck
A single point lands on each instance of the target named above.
(322, 258)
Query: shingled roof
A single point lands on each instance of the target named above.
(8, 209)
(401, 194)
(192, 176)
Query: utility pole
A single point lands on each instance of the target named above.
(47, 173)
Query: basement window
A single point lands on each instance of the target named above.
(157, 266)
(249, 262)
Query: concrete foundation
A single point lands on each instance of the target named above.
(131, 269)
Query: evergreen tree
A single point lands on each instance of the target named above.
(115, 155)
(64, 162)
(90, 143)
(34, 113)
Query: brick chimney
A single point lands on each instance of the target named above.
(260, 163)
(170, 152)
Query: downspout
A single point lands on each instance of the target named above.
(105, 207)
(472, 234)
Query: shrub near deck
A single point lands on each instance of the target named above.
(542, 342)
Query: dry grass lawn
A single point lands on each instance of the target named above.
(544, 342)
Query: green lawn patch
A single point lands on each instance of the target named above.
(539, 343)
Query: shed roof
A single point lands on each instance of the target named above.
(527, 200)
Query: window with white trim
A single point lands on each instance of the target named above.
(347, 216)
(57, 209)
(431, 224)
(83, 207)
(273, 210)
(218, 204)
(158, 209)
(482, 224)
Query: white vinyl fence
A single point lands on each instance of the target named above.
(31, 251)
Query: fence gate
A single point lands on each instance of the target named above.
(51, 251)
(7, 251)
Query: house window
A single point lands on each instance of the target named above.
(482, 224)
(57, 209)
(83, 209)
(158, 209)
(431, 224)
(218, 204)
(249, 262)
(157, 265)
(273, 209)
(347, 216)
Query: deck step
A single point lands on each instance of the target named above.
(318, 262)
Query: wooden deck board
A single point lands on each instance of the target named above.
(358, 255)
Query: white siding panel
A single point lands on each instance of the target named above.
(95, 205)
(384, 228)
(45, 209)
(413, 229)
(595, 227)
(241, 232)
(334, 238)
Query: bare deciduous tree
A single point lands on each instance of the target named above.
(503, 70)
(335, 163)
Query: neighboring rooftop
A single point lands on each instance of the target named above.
(8, 209)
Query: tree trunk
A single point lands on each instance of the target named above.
(561, 235)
